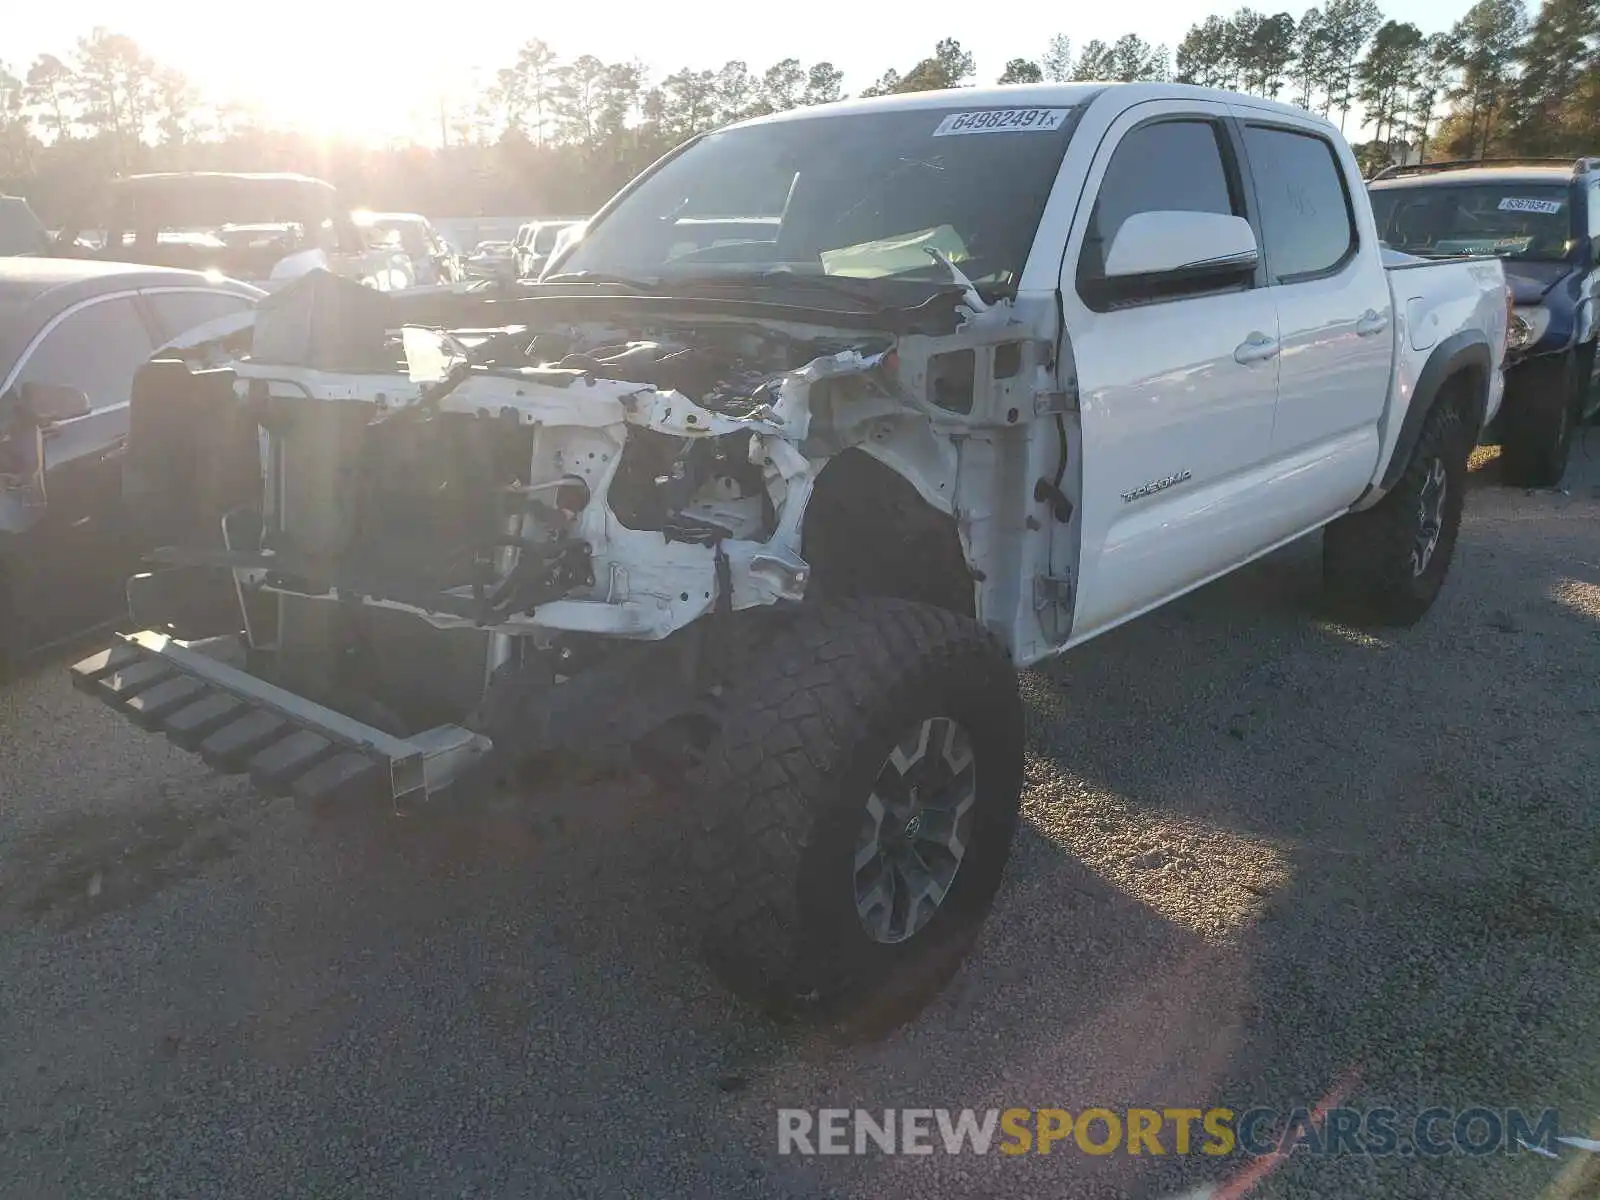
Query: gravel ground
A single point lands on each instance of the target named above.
(1262, 852)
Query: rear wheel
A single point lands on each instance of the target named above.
(1388, 563)
(1544, 410)
(858, 806)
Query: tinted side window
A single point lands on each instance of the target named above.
(96, 350)
(1172, 166)
(1594, 213)
(179, 312)
(1306, 223)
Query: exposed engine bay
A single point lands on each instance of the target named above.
(514, 483)
(543, 493)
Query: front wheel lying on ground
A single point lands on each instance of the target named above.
(857, 810)
(1387, 564)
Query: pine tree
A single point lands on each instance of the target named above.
(1385, 75)
(1557, 55)
(1483, 48)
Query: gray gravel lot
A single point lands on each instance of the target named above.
(1261, 851)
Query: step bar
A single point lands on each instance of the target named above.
(288, 745)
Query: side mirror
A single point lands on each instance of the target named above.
(47, 403)
(1181, 244)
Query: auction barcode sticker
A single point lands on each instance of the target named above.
(1526, 204)
(1003, 120)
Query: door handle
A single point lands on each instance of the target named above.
(1370, 322)
(1258, 347)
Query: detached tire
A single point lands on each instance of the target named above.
(1542, 421)
(1386, 565)
(857, 811)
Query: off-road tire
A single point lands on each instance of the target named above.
(1542, 421)
(782, 798)
(1368, 568)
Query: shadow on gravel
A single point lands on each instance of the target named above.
(85, 867)
(1259, 849)
(1431, 796)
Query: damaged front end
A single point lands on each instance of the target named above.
(389, 555)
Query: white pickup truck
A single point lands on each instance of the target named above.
(828, 423)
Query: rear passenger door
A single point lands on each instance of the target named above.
(1176, 385)
(1335, 313)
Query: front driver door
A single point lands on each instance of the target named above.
(1176, 386)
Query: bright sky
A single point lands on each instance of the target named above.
(375, 70)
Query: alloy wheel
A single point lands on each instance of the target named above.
(915, 830)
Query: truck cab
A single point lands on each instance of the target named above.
(1541, 218)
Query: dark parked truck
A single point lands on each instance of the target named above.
(813, 439)
(1540, 217)
(258, 226)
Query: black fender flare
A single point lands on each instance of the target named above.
(1464, 351)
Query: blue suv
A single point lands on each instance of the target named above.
(1541, 217)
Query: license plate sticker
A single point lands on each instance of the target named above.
(1528, 204)
(1003, 120)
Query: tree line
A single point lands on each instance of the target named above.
(559, 135)
(1496, 83)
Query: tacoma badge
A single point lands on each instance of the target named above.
(1154, 486)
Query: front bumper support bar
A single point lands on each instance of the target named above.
(288, 745)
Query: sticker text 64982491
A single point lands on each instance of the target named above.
(1003, 120)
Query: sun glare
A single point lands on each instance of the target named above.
(331, 70)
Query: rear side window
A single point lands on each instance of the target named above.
(96, 350)
(1143, 176)
(179, 312)
(1306, 221)
(1594, 214)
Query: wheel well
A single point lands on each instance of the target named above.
(1467, 388)
(1457, 373)
(867, 532)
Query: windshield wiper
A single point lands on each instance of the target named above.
(778, 277)
(969, 293)
(602, 277)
